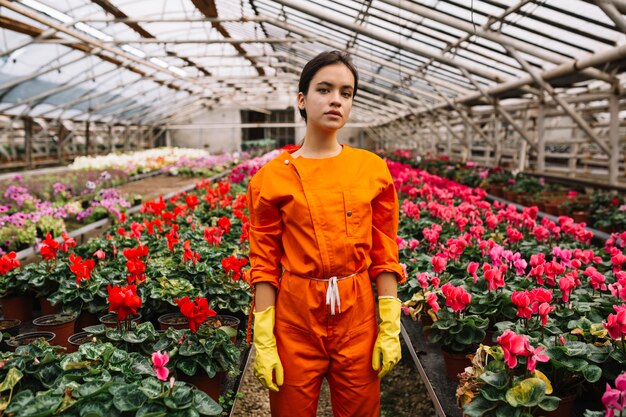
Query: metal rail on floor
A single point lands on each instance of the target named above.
(248, 353)
(418, 364)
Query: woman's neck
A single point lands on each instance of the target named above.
(319, 145)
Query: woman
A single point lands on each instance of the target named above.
(324, 220)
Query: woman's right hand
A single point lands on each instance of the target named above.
(267, 361)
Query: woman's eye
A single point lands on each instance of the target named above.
(323, 90)
(347, 95)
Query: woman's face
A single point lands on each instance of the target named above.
(329, 99)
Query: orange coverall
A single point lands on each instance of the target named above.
(313, 219)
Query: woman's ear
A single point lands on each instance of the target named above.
(301, 100)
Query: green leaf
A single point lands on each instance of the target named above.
(98, 329)
(94, 409)
(549, 403)
(27, 405)
(182, 396)
(188, 366)
(527, 393)
(11, 379)
(592, 373)
(505, 410)
(94, 351)
(495, 379)
(478, 407)
(492, 393)
(205, 404)
(152, 410)
(140, 365)
(135, 337)
(128, 398)
(190, 349)
(91, 388)
(152, 387)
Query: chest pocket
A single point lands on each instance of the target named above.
(357, 212)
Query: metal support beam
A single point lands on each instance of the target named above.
(500, 110)
(202, 41)
(87, 139)
(497, 37)
(87, 39)
(615, 153)
(612, 13)
(28, 140)
(38, 97)
(564, 104)
(541, 139)
(390, 39)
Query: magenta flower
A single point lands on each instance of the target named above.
(159, 360)
(472, 267)
(536, 355)
(439, 263)
(522, 301)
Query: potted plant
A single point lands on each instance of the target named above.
(15, 299)
(104, 381)
(503, 380)
(202, 357)
(423, 305)
(458, 332)
(62, 325)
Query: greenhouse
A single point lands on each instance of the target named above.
(313, 208)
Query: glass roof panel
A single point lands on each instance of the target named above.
(416, 44)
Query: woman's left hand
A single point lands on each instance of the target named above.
(388, 341)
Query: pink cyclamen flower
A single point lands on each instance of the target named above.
(99, 254)
(439, 263)
(432, 301)
(159, 360)
(456, 297)
(512, 345)
(566, 284)
(472, 267)
(422, 279)
(536, 355)
(522, 301)
(544, 309)
(596, 279)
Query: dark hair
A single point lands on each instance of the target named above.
(324, 59)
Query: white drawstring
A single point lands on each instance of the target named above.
(332, 295)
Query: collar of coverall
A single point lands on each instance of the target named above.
(287, 155)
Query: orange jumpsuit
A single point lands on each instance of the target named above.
(313, 219)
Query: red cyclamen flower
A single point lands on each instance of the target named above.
(49, 248)
(82, 269)
(123, 300)
(8, 262)
(195, 312)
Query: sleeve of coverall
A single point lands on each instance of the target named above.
(265, 237)
(385, 212)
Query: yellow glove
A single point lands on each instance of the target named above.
(388, 340)
(267, 360)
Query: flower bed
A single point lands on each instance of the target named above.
(34, 205)
(139, 161)
(550, 302)
(185, 254)
(601, 209)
